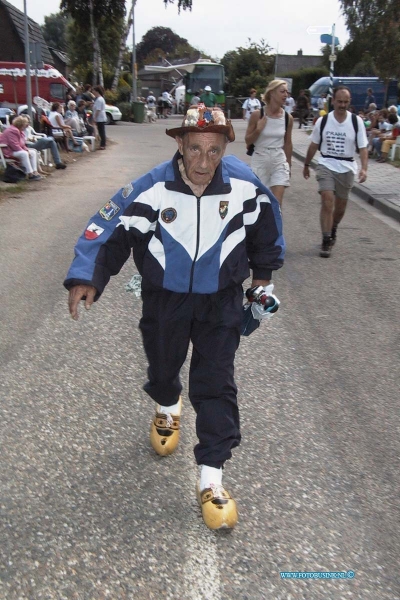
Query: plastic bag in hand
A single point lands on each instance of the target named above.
(265, 312)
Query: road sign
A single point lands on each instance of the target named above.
(332, 57)
(326, 38)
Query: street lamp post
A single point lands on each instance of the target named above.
(134, 83)
(27, 64)
(333, 41)
(332, 59)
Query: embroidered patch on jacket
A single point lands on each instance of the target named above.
(168, 215)
(223, 208)
(93, 231)
(128, 189)
(109, 210)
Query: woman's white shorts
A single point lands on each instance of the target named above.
(271, 167)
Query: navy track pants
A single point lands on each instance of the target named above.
(212, 323)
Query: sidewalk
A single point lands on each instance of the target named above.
(382, 188)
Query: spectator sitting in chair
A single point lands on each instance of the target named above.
(40, 142)
(372, 111)
(381, 125)
(16, 148)
(57, 121)
(393, 110)
(82, 112)
(73, 119)
(386, 139)
(151, 103)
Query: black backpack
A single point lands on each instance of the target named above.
(250, 148)
(355, 125)
(13, 174)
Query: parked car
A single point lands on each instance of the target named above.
(113, 114)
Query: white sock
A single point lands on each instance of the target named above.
(209, 475)
(175, 409)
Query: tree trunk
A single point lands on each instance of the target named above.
(124, 37)
(94, 40)
(99, 61)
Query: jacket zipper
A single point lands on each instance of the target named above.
(197, 245)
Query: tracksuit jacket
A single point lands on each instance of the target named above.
(180, 242)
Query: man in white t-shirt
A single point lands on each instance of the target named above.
(250, 104)
(336, 166)
(289, 104)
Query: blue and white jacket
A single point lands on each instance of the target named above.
(181, 242)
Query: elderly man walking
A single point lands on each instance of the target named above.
(197, 225)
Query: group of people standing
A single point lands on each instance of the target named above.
(338, 135)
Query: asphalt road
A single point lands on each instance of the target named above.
(89, 512)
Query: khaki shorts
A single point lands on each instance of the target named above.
(330, 181)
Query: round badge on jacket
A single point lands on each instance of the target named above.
(168, 215)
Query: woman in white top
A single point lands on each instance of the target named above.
(99, 114)
(272, 139)
(250, 105)
(57, 122)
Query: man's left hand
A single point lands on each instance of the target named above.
(78, 293)
(362, 176)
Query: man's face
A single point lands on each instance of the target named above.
(341, 101)
(202, 153)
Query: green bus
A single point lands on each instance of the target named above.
(205, 72)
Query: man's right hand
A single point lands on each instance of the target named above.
(76, 294)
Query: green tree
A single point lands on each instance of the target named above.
(54, 30)
(90, 15)
(374, 25)
(185, 4)
(164, 39)
(248, 67)
(80, 46)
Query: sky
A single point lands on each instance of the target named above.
(218, 26)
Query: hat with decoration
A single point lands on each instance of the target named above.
(203, 119)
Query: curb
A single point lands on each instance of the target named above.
(386, 207)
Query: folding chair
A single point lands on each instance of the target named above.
(2, 159)
(54, 132)
(393, 148)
